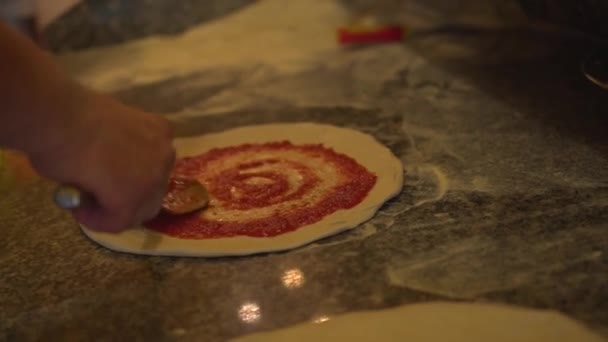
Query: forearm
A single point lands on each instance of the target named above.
(37, 101)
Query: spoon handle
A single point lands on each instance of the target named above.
(69, 197)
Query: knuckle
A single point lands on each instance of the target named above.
(126, 224)
(172, 154)
(123, 218)
(170, 162)
(150, 213)
(147, 212)
(170, 130)
(166, 127)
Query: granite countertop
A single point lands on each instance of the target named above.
(505, 157)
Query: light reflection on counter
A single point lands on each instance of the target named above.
(250, 312)
(293, 278)
(320, 319)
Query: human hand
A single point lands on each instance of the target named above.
(121, 156)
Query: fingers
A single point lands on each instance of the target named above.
(95, 218)
(152, 205)
(120, 218)
(116, 212)
(150, 208)
(100, 219)
(127, 171)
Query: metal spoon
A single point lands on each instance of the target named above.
(184, 196)
(595, 68)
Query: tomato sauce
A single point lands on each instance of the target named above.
(244, 188)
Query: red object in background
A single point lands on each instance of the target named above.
(385, 34)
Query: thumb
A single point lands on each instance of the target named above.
(98, 219)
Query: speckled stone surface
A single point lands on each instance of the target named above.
(505, 152)
(105, 22)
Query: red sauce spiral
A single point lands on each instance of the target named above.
(237, 188)
(264, 190)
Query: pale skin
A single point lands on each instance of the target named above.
(120, 155)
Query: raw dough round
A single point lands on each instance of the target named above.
(363, 148)
(437, 322)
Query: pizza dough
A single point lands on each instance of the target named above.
(437, 322)
(363, 148)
